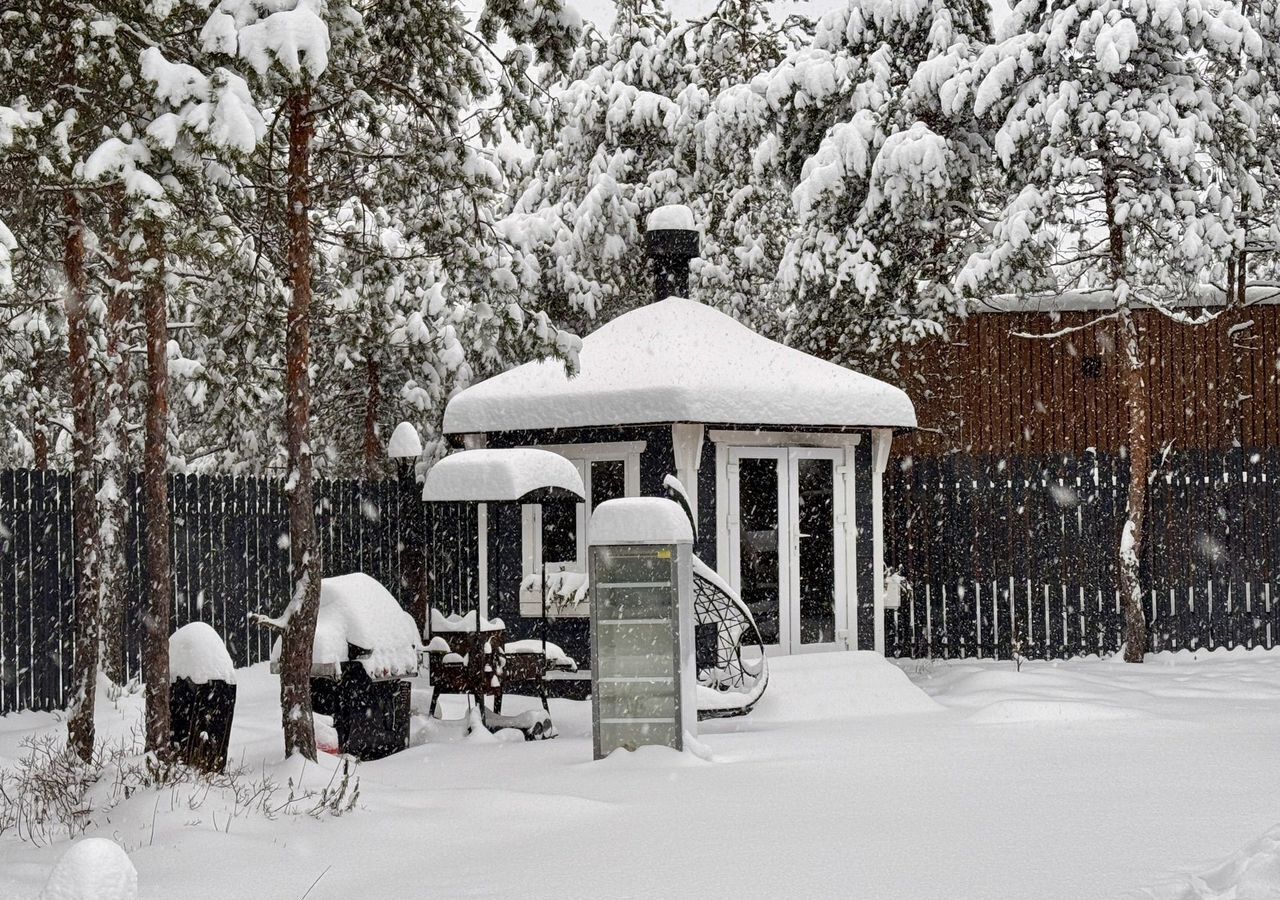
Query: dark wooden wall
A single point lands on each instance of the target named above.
(985, 390)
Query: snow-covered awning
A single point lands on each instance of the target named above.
(679, 361)
(494, 476)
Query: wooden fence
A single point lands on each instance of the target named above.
(229, 554)
(1019, 555)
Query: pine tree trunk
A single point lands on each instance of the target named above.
(155, 499)
(1133, 387)
(80, 726)
(372, 400)
(304, 550)
(116, 508)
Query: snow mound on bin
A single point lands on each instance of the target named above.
(1250, 874)
(822, 686)
(92, 869)
(355, 609)
(196, 652)
(639, 520)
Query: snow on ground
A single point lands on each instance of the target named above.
(852, 778)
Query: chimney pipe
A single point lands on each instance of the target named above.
(673, 242)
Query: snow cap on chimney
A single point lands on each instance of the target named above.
(673, 242)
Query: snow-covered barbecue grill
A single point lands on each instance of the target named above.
(365, 649)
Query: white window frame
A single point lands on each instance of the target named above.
(581, 455)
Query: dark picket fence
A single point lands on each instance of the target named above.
(229, 554)
(1018, 556)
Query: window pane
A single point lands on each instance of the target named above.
(758, 543)
(608, 480)
(560, 532)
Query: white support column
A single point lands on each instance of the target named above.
(478, 442)
(881, 440)
(686, 446)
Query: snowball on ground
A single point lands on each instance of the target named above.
(679, 361)
(639, 520)
(92, 869)
(555, 654)
(197, 652)
(355, 609)
(454, 623)
(671, 218)
(405, 442)
(494, 475)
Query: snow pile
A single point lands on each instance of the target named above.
(355, 609)
(679, 361)
(555, 654)
(564, 589)
(827, 686)
(93, 869)
(1250, 874)
(197, 653)
(493, 475)
(639, 520)
(455, 622)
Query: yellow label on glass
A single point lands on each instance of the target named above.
(664, 554)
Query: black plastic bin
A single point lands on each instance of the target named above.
(200, 722)
(371, 717)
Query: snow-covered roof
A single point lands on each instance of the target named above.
(497, 475)
(639, 520)
(679, 361)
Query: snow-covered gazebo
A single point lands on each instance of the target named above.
(781, 452)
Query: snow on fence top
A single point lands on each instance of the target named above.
(405, 442)
(197, 653)
(639, 520)
(679, 361)
(355, 609)
(495, 475)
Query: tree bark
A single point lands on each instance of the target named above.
(1133, 387)
(116, 508)
(372, 400)
(304, 550)
(80, 726)
(155, 498)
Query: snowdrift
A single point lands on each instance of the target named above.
(1251, 874)
(820, 686)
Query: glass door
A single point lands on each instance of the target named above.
(786, 543)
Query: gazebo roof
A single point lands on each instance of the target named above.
(679, 361)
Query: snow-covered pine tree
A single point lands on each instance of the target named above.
(602, 157)
(885, 168)
(66, 63)
(430, 293)
(744, 207)
(373, 100)
(160, 156)
(1110, 132)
